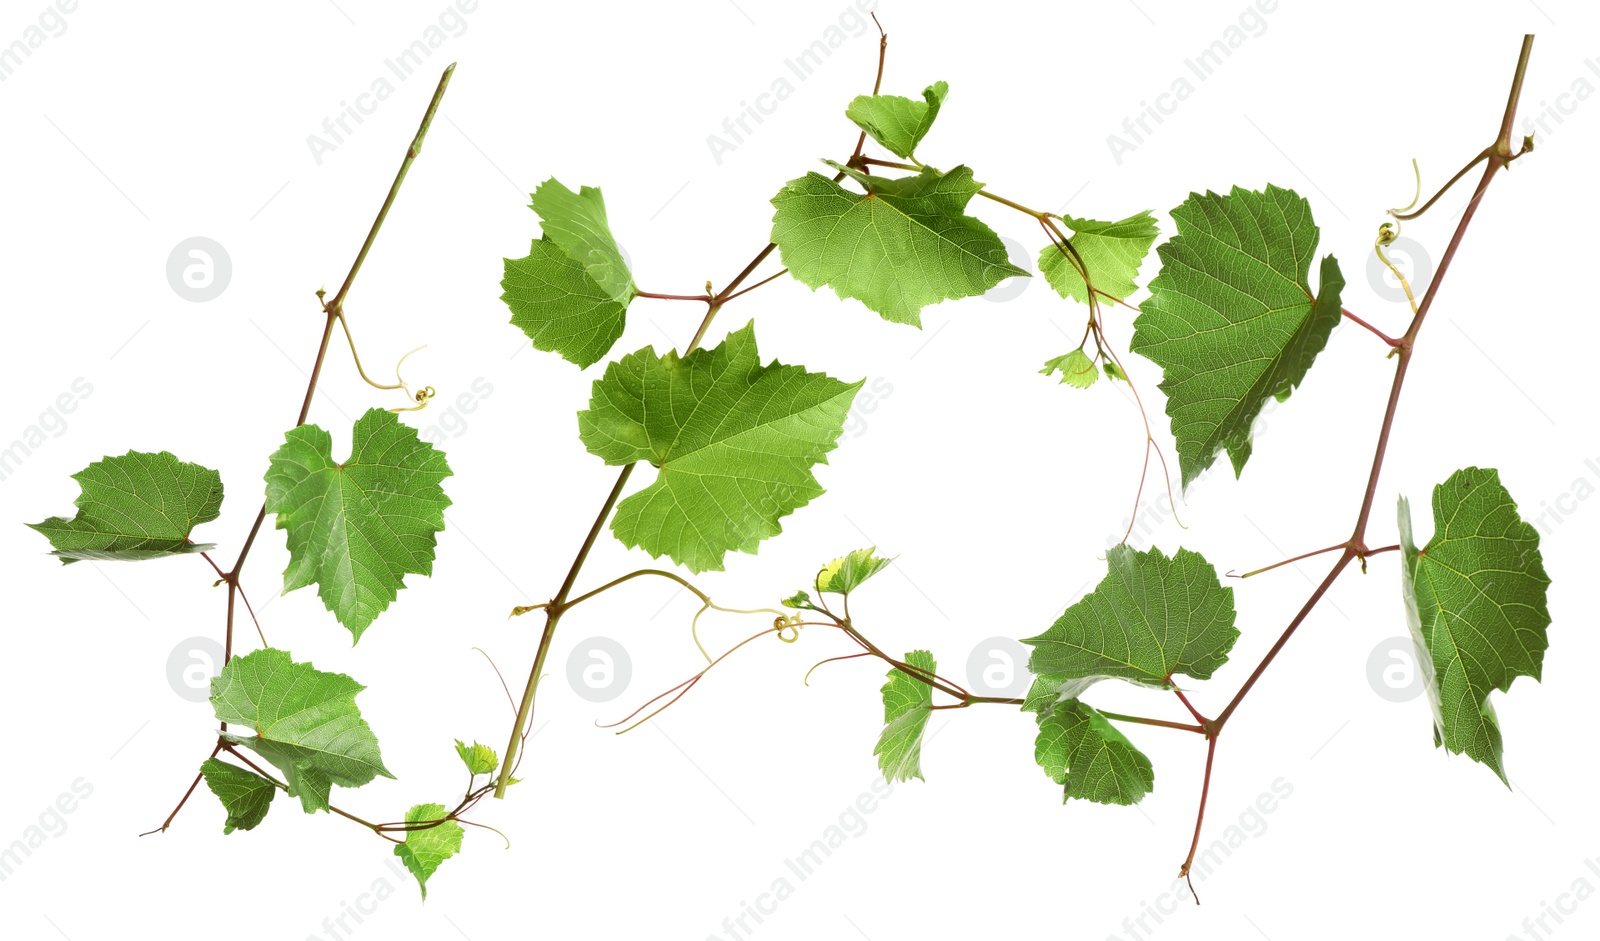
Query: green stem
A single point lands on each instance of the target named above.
(394, 189)
(1163, 723)
(630, 577)
(552, 617)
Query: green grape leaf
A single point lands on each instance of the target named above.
(1112, 251)
(245, 795)
(799, 599)
(1475, 601)
(1150, 619)
(425, 849)
(897, 122)
(305, 723)
(1077, 369)
(1232, 320)
(357, 527)
(734, 441)
(846, 573)
(138, 505)
(1113, 371)
(571, 293)
(1078, 748)
(903, 244)
(479, 759)
(907, 704)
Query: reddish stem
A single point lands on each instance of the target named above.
(1388, 340)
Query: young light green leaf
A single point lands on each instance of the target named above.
(479, 759)
(1232, 319)
(138, 505)
(1077, 369)
(425, 849)
(734, 441)
(1078, 748)
(1475, 601)
(846, 573)
(907, 704)
(903, 244)
(1112, 251)
(1113, 372)
(897, 122)
(570, 295)
(799, 599)
(1150, 619)
(305, 722)
(357, 527)
(245, 795)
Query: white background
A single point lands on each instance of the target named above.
(997, 488)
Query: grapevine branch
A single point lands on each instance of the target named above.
(557, 605)
(333, 310)
(1498, 155)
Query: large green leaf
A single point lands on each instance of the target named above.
(1475, 600)
(136, 506)
(245, 795)
(734, 442)
(571, 293)
(907, 704)
(1150, 619)
(1078, 748)
(1111, 251)
(357, 527)
(903, 244)
(305, 723)
(1232, 319)
(897, 122)
(425, 849)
